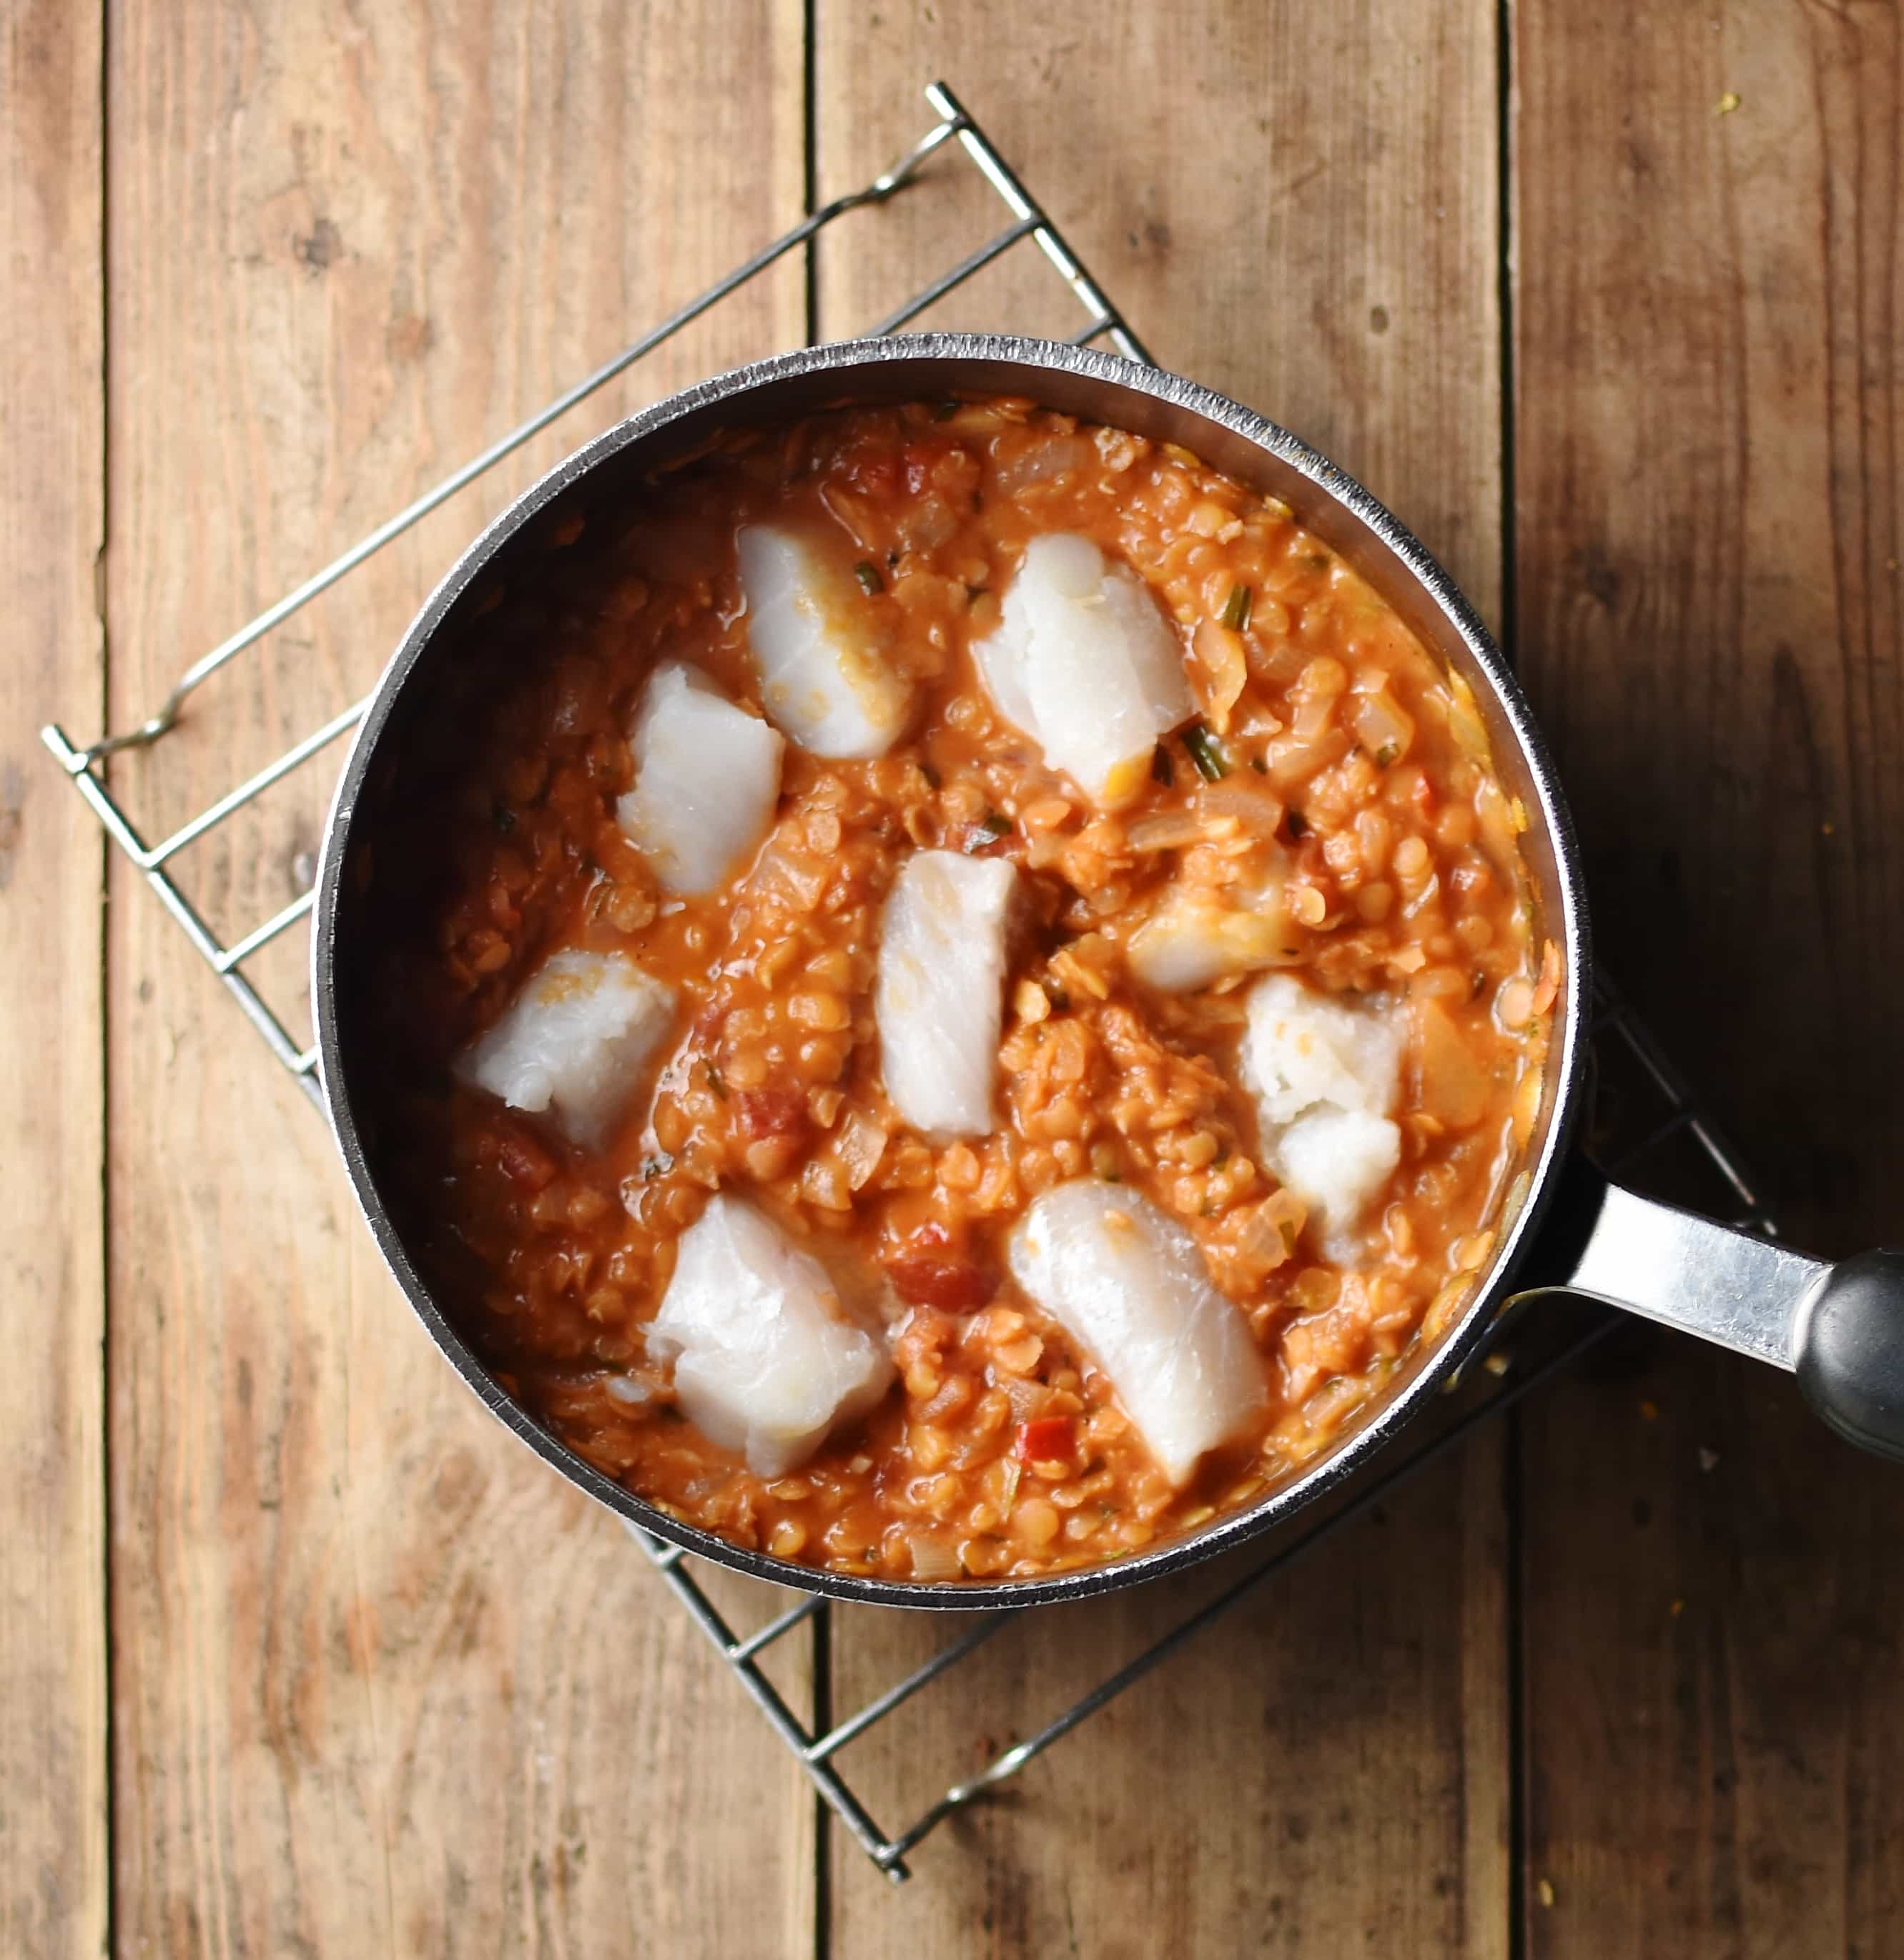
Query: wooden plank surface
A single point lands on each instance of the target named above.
(53, 1852)
(384, 1685)
(1298, 205)
(380, 1685)
(1709, 416)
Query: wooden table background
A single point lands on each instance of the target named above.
(299, 1656)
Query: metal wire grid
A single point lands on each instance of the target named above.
(1673, 1119)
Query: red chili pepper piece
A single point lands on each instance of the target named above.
(1048, 1439)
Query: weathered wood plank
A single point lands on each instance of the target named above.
(1298, 205)
(53, 1777)
(1709, 415)
(384, 1683)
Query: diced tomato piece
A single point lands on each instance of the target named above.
(874, 472)
(929, 1268)
(524, 1161)
(1049, 1439)
(956, 1286)
(771, 1113)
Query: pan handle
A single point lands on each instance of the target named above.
(1839, 1328)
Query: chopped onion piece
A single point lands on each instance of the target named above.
(1192, 939)
(934, 1554)
(1044, 461)
(1168, 830)
(1254, 808)
(1385, 730)
(860, 1145)
(1220, 661)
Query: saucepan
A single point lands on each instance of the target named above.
(1840, 1327)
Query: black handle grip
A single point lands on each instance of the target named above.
(1849, 1347)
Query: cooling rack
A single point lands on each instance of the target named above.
(1649, 1130)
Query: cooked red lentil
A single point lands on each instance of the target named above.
(1331, 755)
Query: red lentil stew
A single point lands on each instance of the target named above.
(966, 1001)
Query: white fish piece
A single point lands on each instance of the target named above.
(574, 1043)
(938, 999)
(707, 776)
(1302, 1047)
(765, 1360)
(1126, 1281)
(1326, 1073)
(1083, 661)
(822, 683)
(1192, 941)
(1336, 1161)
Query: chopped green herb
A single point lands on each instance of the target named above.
(505, 818)
(987, 832)
(945, 411)
(658, 1165)
(1207, 752)
(1298, 824)
(1009, 1496)
(715, 1082)
(867, 574)
(1236, 609)
(1387, 753)
(1162, 770)
(1261, 768)
(1289, 1237)
(1318, 561)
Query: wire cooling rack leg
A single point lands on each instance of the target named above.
(166, 717)
(811, 1753)
(302, 1063)
(1108, 318)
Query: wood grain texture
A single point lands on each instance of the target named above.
(1710, 476)
(384, 1685)
(53, 1851)
(1298, 205)
(1708, 420)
